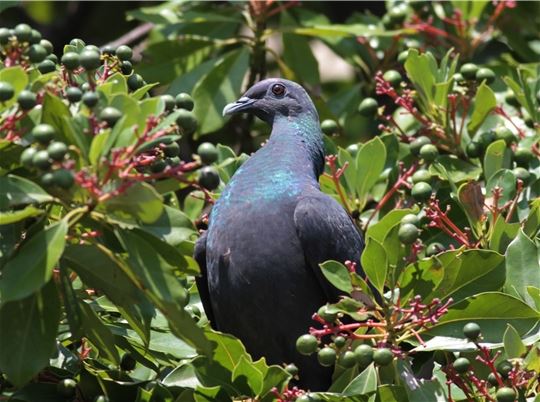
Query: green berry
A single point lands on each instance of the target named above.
(101, 398)
(504, 133)
(461, 365)
(368, 107)
(486, 138)
(506, 394)
(402, 56)
(397, 14)
(492, 379)
(135, 81)
(110, 115)
(26, 99)
(504, 368)
(474, 149)
(471, 330)
(523, 174)
(348, 359)
(421, 175)
(90, 99)
(511, 99)
(23, 32)
(26, 157)
(352, 149)
(57, 150)
(434, 249)
(73, 94)
(364, 355)
(168, 100)
(108, 50)
(421, 191)
(52, 57)
(306, 344)
(92, 48)
(383, 356)
(63, 178)
(429, 152)
(35, 37)
(208, 153)
(41, 160)
(209, 178)
(43, 133)
(410, 219)
(326, 356)
(327, 315)
(47, 179)
(66, 387)
(187, 121)
(468, 71)
(46, 66)
(184, 101)
(523, 156)
(37, 53)
(458, 77)
(174, 161)
(418, 143)
(128, 362)
(485, 74)
(71, 60)
(124, 52)
(47, 45)
(291, 369)
(172, 149)
(6, 91)
(78, 43)
(5, 34)
(126, 67)
(90, 59)
(393, 77)
(329, 126)
(408, 233)
(340, 341)
(158, 166)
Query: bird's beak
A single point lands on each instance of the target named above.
(240, 105)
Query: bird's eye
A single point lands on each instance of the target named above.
(278, 89)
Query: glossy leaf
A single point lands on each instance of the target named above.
(338, 275)
(140, 201)
(513, 345)
(32, 266)
(15, 191)
(28, 330)
(364, 383)
(374, 263)
(484, 102)
(498, 156)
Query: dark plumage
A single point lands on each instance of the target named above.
(271, 227)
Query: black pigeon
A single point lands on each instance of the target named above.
(269, 231)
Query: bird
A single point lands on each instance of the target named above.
(268, 232)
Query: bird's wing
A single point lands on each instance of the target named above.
(202, 280)
(327, 232)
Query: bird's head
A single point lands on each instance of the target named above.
(273, 97)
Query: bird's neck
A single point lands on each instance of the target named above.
(300, 139)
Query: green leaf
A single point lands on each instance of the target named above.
(139, 201)
(492, 311)
(502, 234)
(32, 266)
(364, 383)
(97, 333)
(455, 170)
(532, 223)
(522, 268)
(379, 230)
(369, 165)
(246, 371)
(15, 191)
(18, 79)
(338, 275)
(16, 216)
(28, 334)
(498, 156)
(99, 270)
(422, 70)
(513, 345)
(484, 102)
(375, 264)
(219, 87)
(162, 287)
(173, 226)
(506, 181)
